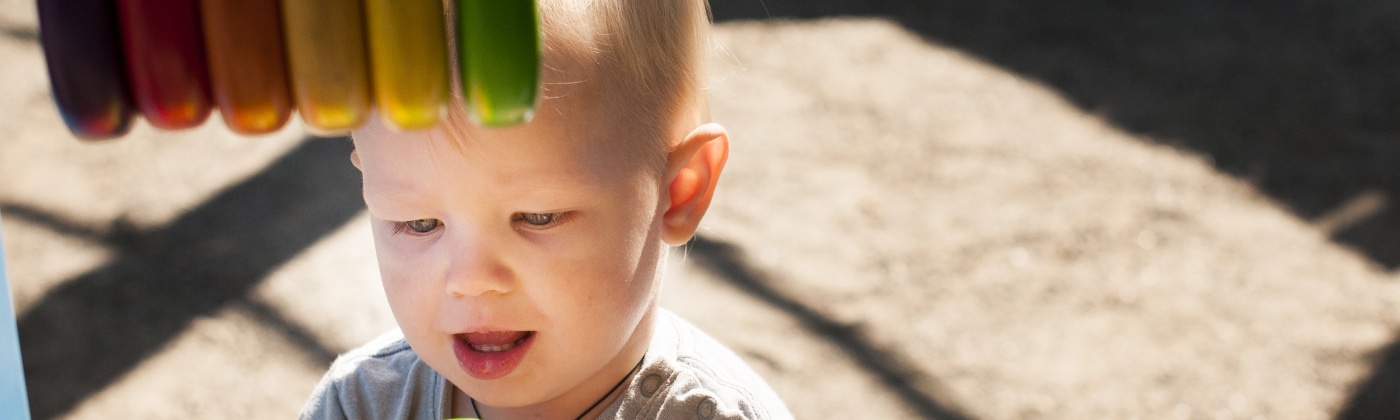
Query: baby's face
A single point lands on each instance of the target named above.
(521, 263)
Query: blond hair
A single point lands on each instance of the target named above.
(645, 58)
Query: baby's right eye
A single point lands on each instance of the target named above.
(419, 226)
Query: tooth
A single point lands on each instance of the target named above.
(493, 348)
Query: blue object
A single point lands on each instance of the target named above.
(14, 403)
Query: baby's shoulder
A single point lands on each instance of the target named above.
(383, 378)
(382, 363)
(688, 374)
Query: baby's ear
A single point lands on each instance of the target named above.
(692, 171)
(355, 159)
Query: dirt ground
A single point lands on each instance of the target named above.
(958, 210)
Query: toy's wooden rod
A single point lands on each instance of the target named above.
(257, 60)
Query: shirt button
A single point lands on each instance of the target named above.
(706, 410)
(650, 384)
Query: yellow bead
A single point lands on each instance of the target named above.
(326, 59)
(408, 60)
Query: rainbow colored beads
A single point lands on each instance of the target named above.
(257, 61)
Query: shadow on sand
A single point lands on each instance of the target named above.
(1299, 97)
(918, 391)
(86, 333)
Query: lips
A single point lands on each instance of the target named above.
(491, 355)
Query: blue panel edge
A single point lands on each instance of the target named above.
(14, 400)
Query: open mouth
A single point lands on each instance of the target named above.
(491, 355)
(495, 342)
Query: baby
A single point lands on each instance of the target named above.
(523, 264)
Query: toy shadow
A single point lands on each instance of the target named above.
(86, 333)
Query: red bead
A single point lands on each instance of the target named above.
(165, 61)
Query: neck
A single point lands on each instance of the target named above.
(572, 403)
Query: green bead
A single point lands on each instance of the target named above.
(499, 54)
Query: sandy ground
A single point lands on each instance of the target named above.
(922, 218)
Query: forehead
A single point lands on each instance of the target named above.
(546, 151)
(582, 132)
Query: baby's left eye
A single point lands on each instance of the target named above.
(538, 219)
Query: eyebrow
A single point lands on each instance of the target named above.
(392, 191)
(529, 189)
(553, 183)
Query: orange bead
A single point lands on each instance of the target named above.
(247, 72)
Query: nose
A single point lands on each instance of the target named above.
(475, 268)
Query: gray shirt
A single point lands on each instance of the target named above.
(686, 374)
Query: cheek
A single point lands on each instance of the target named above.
(401, 258)
(402, 272)
(621, 260)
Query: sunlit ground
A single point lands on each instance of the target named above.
(905, 229)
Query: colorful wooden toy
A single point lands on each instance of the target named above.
(257, 60)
